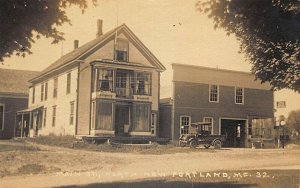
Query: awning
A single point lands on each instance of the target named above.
(34, 108)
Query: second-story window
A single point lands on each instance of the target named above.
(213, 93)
(143, 84)
(122, 50)
(46, 91)
(105, 80)
(42, 92)
(68, 83)
(33, 95)
(55, 85)
(239, 95)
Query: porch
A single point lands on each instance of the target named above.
(110, 118)
(121, 84)
(28, 122)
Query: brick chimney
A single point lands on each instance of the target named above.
(99, 27)
(76, 44)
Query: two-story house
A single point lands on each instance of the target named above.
(230, 100)
(107, 87)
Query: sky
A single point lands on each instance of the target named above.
(172, 29)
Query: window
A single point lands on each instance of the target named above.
(142, 117)
(45, 117)
(33, 95)
(143, 84)
(104, 116)
(42, 92)
(122, 50)
(262, 128)
(209, 127)
(53, 116)
(68, 83)
(105, 80)
(1, 116)
(55, 84)
(213, 93)
(93, 114)
(72, 109)
(46, 91)
(185, 122)
(239, 95)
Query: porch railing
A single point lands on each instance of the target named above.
(124, 92)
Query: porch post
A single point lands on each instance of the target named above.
(95, 79)
(15, 124)
(30, 123)
(22, 129)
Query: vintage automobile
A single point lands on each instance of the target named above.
(199, 134)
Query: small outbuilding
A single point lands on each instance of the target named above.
(13, 97)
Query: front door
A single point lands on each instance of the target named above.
(122, 119)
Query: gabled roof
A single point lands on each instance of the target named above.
(84, 49)
(15, 81)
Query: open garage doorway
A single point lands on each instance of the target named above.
(235, 131)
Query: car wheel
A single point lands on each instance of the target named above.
(217, 144)
(193, 144)
(206, 146)
(181, 144)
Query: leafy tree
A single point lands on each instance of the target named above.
(20, 18)
(293, 120)
(268, 32)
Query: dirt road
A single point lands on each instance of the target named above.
(78, 167)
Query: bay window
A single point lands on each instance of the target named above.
(142, 117)
(104, 116)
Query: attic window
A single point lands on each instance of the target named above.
(122, 47)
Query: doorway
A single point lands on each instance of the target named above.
(122, 119)
(235, 131)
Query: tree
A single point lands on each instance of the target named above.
(268, 32)
(24, 21)
(293, 120)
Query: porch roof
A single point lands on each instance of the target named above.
(30, 109)
(114, 63)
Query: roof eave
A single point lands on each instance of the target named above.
(40, 77)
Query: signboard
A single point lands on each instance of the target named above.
(281, 104)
